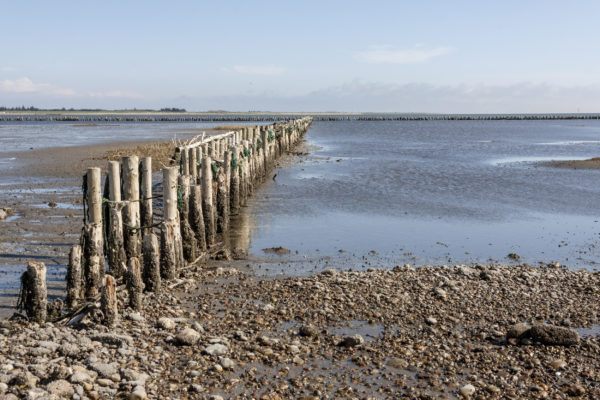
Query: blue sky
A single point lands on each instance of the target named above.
(428, 56)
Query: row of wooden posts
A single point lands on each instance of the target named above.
(214, 178)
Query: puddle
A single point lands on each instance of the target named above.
(12, 218)
(369, 332)
(593, 331)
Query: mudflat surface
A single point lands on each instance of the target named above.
(43, 190)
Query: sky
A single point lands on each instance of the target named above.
(313, 56)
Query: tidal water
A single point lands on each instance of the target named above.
(430, 192)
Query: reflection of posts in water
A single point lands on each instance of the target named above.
(240, 230)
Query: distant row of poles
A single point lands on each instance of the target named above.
(207, 117)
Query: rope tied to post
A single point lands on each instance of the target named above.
(179, 198)
(271, 136)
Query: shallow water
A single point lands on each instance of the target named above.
(431, 192)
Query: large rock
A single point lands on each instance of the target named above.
(553, 335)
(352, 341)
(308, 330)
(518, 331)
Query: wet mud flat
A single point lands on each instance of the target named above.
(42, 189)
(429, 332)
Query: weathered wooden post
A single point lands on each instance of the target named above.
(135, 284)
(197, 168)
(222, 203)
(197, 216)
(193, 166)
(234, 188)
(171, 255)
(93, 251)
(185, 163)
(74, 277)
(151, 272)
(207, 200)
(34, 292)
(265, 151)
(117, 258)
(146, 204)
(109, 303)
(187, 234)
(131, 212)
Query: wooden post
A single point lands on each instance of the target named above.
(146, 203)
(207, 200)
(222, 203)
(171, 255)
(198, 170)
(74, 277)
(135, 284)
(34, 293)
(197, 216)
(131, 212)
(193, 165)
(151, 273)
(93, 251)
(109, 303)
(185, 163)
(265, 151)
(187, 234)
(116, 248)
(234, 188)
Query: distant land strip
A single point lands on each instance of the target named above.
(170, 116)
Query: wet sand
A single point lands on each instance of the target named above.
(43, 190)
(591, 163)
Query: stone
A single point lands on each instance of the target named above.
(352, 341)
(58, 372)
(113, 339)
(467, 391)
(195, 388)
(24, 379)
(227, 363)
(440, 293)
(518, 331)
(431, 321)
(61, 388)
(104, 370)
(81, 377)
(36, 393)
(554, 335)
(216, 349)
(188, 337)
(576, 390)
(558, 363)
(165, 323)
(133, 376)
(308, 331)
(138, 393)
(215, 397)
(240, 335)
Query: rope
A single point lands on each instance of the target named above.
(112, 202)
(214, 169)
(139, 228)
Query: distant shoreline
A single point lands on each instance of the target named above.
(226, 116)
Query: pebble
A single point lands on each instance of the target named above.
(188, 337)
(352, 341)
(467, 390)
(216, 349)
(138, 393)
(61, 388)
(308, 331)
(165, 323)
(227, 363)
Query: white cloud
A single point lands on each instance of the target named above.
(269, 70)
(387, 54)
(26, 85)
